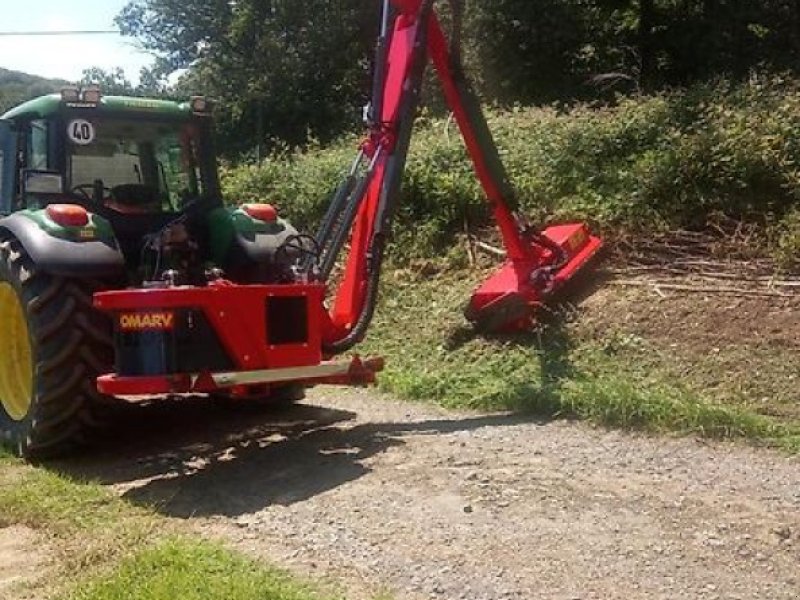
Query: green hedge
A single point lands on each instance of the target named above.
(665, 161)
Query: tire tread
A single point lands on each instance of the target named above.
(72, 345)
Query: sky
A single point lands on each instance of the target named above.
(65, 57)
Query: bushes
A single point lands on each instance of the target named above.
(665, 161)
(787, 241)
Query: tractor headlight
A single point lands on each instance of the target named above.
(92, 94)
(70, 94)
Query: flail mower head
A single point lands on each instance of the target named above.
(510, 299)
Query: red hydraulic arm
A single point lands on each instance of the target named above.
(247, 338)
(539, 263)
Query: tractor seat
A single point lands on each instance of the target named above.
(135, 212)
(132, 223)
(134, 199)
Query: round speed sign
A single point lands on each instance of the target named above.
(80, 132)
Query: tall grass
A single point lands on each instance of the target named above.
(655, 162)
(558, 372)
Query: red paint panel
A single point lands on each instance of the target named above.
(351, 294)
(238, 315)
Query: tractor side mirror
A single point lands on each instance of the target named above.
(42, 182)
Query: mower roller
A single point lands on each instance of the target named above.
(116, 243)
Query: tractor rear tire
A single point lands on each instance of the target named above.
(53, 345)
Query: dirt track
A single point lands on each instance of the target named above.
(381, 495)
(22, 561)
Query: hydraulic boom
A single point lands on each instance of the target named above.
(539, 263)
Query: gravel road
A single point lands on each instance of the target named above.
(384, 496)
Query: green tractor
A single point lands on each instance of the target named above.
(104, 193)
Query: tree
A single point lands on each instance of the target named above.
(288, 70)
(115, 82)
(278, 69)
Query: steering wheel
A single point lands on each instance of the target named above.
(87, 191)
(302, 245)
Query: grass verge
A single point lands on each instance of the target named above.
(190, 570)
(559, 372)
(102, 548)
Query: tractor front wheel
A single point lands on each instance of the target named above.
(53, 344)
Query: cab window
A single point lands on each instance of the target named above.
(8, 163)
(37, 146)
(153, 165)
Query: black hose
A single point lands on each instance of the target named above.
(457, 10)
(359, 331)
(339, 237)
(562, 257)
(342, 194)
(378, 246)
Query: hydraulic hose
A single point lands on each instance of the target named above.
(457, 10)
(561, 256)
(389, 193)
(359, 330)
(350, 211)
(342, 195)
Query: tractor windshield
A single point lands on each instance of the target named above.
(135, 166)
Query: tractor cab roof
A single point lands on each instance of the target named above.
(54, 104)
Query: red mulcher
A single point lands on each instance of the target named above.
(222, 336)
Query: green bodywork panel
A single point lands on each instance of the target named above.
(98, 229)
(52, 105)
(225, 223)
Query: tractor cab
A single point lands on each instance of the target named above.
(130, 155)
(137, 163)
(127, 189)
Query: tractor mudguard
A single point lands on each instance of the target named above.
(80, 258)
(241, 242)
(262, 247)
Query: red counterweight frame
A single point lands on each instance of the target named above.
(239, 315)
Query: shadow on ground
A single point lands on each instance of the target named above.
(193, 458)
(198, 458)
(550, 345)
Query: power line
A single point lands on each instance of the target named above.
(59, 33)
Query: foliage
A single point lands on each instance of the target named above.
(285, 70)
(279, 69)
(559, 371)
(787, 243)
(556, 49)
(660, 161)
(16, 87)
(115, 82)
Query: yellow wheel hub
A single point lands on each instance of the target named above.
(16, 365)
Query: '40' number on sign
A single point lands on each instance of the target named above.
(81, 132)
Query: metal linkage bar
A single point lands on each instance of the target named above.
(348, 210)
